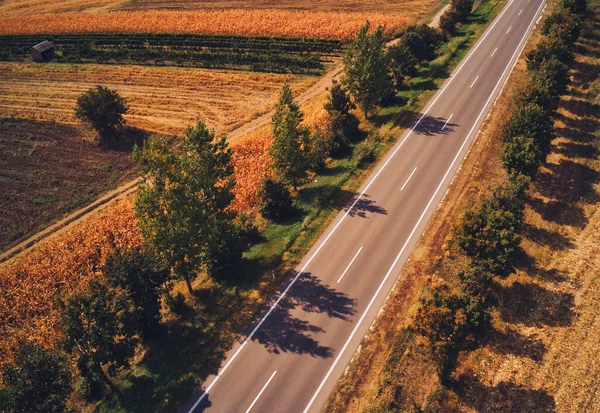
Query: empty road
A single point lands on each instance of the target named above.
(292, 359)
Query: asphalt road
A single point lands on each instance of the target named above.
(292, 359)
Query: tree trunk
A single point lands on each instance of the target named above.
(189, 284)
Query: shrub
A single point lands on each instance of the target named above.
(37, 381)
(489, 232)
(402, 63)
(363, 154)
(462, 7)
(532, 121)
(422, 41)
(449, 20)
(522, 156)
(451, 323)
(103, 109)
(276, 199)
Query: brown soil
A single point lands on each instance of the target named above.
(49, 169)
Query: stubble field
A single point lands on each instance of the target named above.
(161, 99)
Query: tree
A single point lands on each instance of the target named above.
(562, 25)
(276, 200)
(576, 6)
(183, 203)
(422, 41)
(451, 323)
(100, 329)
(489, 232)
(534, 122)
(366, 69)
(549, 48)
(462, 7)
(522, 156)
(291, 150)
(449, 20)
(402, 63)
(103, 109)
(344, 124)
(143, 276)
(36, 381)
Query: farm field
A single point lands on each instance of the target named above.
(49, 169)
(30, 7)
(161, 99)
(284, 23)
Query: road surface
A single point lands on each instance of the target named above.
(293, 357)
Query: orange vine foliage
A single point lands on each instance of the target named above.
(327, 25)
(30, 284)
(251, 164)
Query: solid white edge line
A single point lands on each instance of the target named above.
(387, 161)
(446, 124)
(494, 52)
(411, 175)
(473, 84)
(261, 391)
(349, 265)
(509, 66)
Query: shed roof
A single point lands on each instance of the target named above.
(45, 45)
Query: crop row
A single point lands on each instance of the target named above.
(255, 53)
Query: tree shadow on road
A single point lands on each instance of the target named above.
(284, 332)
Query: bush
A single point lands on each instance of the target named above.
(363, 154)
(276, 199)
(402, 63)
(103, 109)
(37, 381)
(532, 121)
(463, 8)
(452, 323)
(489, 233)
(449, 20)
(422, 41)
(522, 156)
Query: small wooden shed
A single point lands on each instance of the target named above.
(42, 52)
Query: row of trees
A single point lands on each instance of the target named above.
(489, 232)
(457, 14)
(373, 72)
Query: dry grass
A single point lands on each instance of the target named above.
(327, 25)
(32, 7)
(398, 7)
(160, 99)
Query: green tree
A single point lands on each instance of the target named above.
(100, 328)
(451, 323)
(522, 156)
(292, 147)
(276, 200)
(532, 121)
(549, 48)
(489, 232)
(143, 276)
(462, 7)
(36, 381)
(449, 20)
(183, 203)
(366, 66)
(344, 124)
(402, 63)
(422, 41)
(103, 109)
